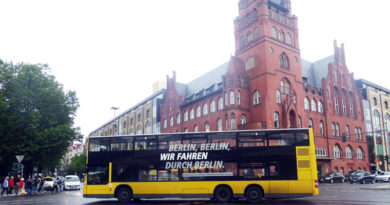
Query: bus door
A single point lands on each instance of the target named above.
(98, 179)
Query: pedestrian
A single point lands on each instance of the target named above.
(11, 185)
(35, 183)
(17, 184)
(54, 185)
(41, 185)
(21, 186)
(28, 186)
(59, 183)
(5, 185)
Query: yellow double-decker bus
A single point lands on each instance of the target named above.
(253, 164)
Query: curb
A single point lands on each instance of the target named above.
(25, 195)
(376, 188)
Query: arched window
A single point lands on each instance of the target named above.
(336, 101)
(233, 121)
(148, 128)
(205, 109)
(131, 132)
(377, 123)
(249, 36)
(357, 133)
(276, 120)
(278, 97)
(284, 61)
(348, 152)
(299, 122)
(344, 103)
(256, 33)
(359, 153)
(220, 103)
(171, 121)
(351, 105)
(192, 114)
(165, 123)
(307, 103)
(178, 118)
(212, 106)
(207, 127)
(196, 128)
(288, 39)
(336, 152)
(282, 86)
(274, 32)
(311, 123)
(320, 107)
(287, 88)
(185, 116)
(238, 98)
(337, 129)
(313, 105)
(232, 101)
(360, 134)
(198, 112)
(347, 132)
(243, 119)
(333, 130)
(281, 35)
(242, 42)
(322, 127)
(256, 97)
(219, 124)
(139, 130)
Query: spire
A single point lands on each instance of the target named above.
(236, 66)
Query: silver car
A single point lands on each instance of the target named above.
(383, 176)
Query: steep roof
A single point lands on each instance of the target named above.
(316, 71)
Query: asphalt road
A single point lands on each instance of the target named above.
(329, 194)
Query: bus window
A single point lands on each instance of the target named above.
(166, 140)
(302, 139)
(122, 144)
(99, 145)
(251, 139)
(252, 170)
(145, 143)
(97, 175)
(223, 138)
(281, 139)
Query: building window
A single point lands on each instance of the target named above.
(212, 106)
(256, 33)
(333, 130)
(278, 97)
(274, 33)
(250, 63)
(307, 103)
(220, 103)
(196, 128)
(276, 120)
(282, 87)
(233, 121)
(148, 113)
(284, 62)
(198, 111)
(232, 97)
(242, 41)
(287, 88)
(219, 124)
(165, 123)
(321, 127)
(347, 132)
(139, 130)
(205, 109)
(356, 133)
(351, 109)
(348, 152)
(337, 130)
(377, 123)
(207, 127)
(148, 128)
(281, 35)
(336, 101)
(360, 134)
(344, 107)
(131, 132)
(226, 99)
(288, 39)
(336, 152)
(359, 153)
(171, 121)
(243, 119)
(185, 116)
(320, 152)
(311, 123)
(178, 118)
(299, 122)
(320, 107)
(238, 98)
(256, 97)
(192, 114)
(375, 101)
(226, 122)
(249, 36)
(313, 105)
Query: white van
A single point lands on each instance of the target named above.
(72, 182)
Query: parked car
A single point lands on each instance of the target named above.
(352, 172)
(383, 176)
(362, 177)
(49, 184)
(332, 178)
(72, 182)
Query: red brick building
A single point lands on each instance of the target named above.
(266, 85)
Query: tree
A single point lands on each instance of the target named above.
(77, 165)
(36, 116)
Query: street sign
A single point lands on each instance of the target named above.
(19, 158)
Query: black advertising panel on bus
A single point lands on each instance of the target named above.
(241, 155)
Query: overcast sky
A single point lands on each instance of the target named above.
(111, 52)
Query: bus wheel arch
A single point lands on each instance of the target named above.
(254, 193)
(223, 193)
(124, 193)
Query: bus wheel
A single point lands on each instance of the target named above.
(124, 195)
(253, 194)
(223, 194)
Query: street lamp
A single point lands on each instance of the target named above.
(115, 109)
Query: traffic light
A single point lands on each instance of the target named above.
(387, 158)
(343, 137)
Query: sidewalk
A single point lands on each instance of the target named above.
(25, 195)
(384, 187)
